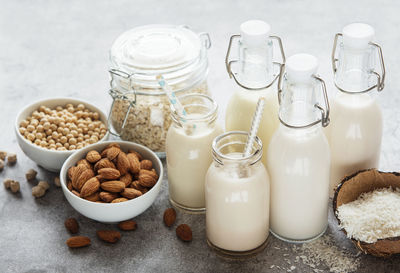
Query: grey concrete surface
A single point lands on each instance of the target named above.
(60, 48)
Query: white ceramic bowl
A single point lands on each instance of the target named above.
(112, 212)
(48, 159)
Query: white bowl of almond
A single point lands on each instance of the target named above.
(112, 181)
(49, 131)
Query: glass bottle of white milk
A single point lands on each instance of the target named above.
(298, 157)
(355, 132)
(237, 197)
(255, 73)
(188, 148)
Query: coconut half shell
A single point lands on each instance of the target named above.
(351, 188)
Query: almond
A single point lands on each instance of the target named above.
(113, 152)
(184, 233)
(93, 156)
(119, 200)
(84, 162)
(69, 185)
(109, 236)
(72, 225)
(85, 176)
(70, 172)
(152, 173)
(76, 193)
(108, 196)
(139, 156)
(127, 179)
(123, 164)
(95, 197)
(113, 186)
(109, 173)
(169, 217)
(134, 164)
(78, 241)
(147, 180)
(103, 163)
(131, 193)
(127, 225)
(114, 145)
(76, 172)
(136, 185)
(104, 153)
(90, 187)
(146, 164)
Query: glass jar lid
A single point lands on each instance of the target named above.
(176, 52)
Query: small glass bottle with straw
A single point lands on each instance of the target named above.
(237, 193)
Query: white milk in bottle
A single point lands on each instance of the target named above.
(237, 197)
(298, 156)
(189, 155)
(255, 74)
(355, 132)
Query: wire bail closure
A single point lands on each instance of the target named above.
(324, 112)
(116, 94)
(232, 74)
(380, 84)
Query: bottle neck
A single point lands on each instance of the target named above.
(255, 64)
(298, 102)
(354, 69)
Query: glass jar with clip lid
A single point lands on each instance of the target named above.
(140, 110)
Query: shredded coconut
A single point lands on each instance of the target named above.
(374, 215)
(323, 252)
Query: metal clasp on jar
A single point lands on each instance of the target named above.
(118, 75)
(324, 112)
(232, 74)
(380, 84)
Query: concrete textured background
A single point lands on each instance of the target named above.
(60, 48)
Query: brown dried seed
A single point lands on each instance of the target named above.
(90, 187)
(123, 163)
(119, 200)
(93, 197)
(113, 145)
(109, 173)
(30, 174)
(71, 172)
(76, 173)
(76, 193)
(103, 163)
(134, 164)
(184, 232)
(127, 179)
(113, 152)
(138, 155)
(113, 186)
(69, 185)
(169, 217)
(108, 196)
(93, 156)
(147, 180)
(152, 173)
(146, 164)
(131, 193)
(84, 162)
(85, 176)
(136, 185)
(109, 236)
(78, 241)
(72, 225)
(127, 225)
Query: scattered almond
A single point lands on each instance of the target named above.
(72, 225)
(127, 225)
(169, 217)
(78, 241)
(109, 236)
(184, 233)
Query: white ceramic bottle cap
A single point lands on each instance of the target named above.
(300, 67)
(358, 35)
(254, 32)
